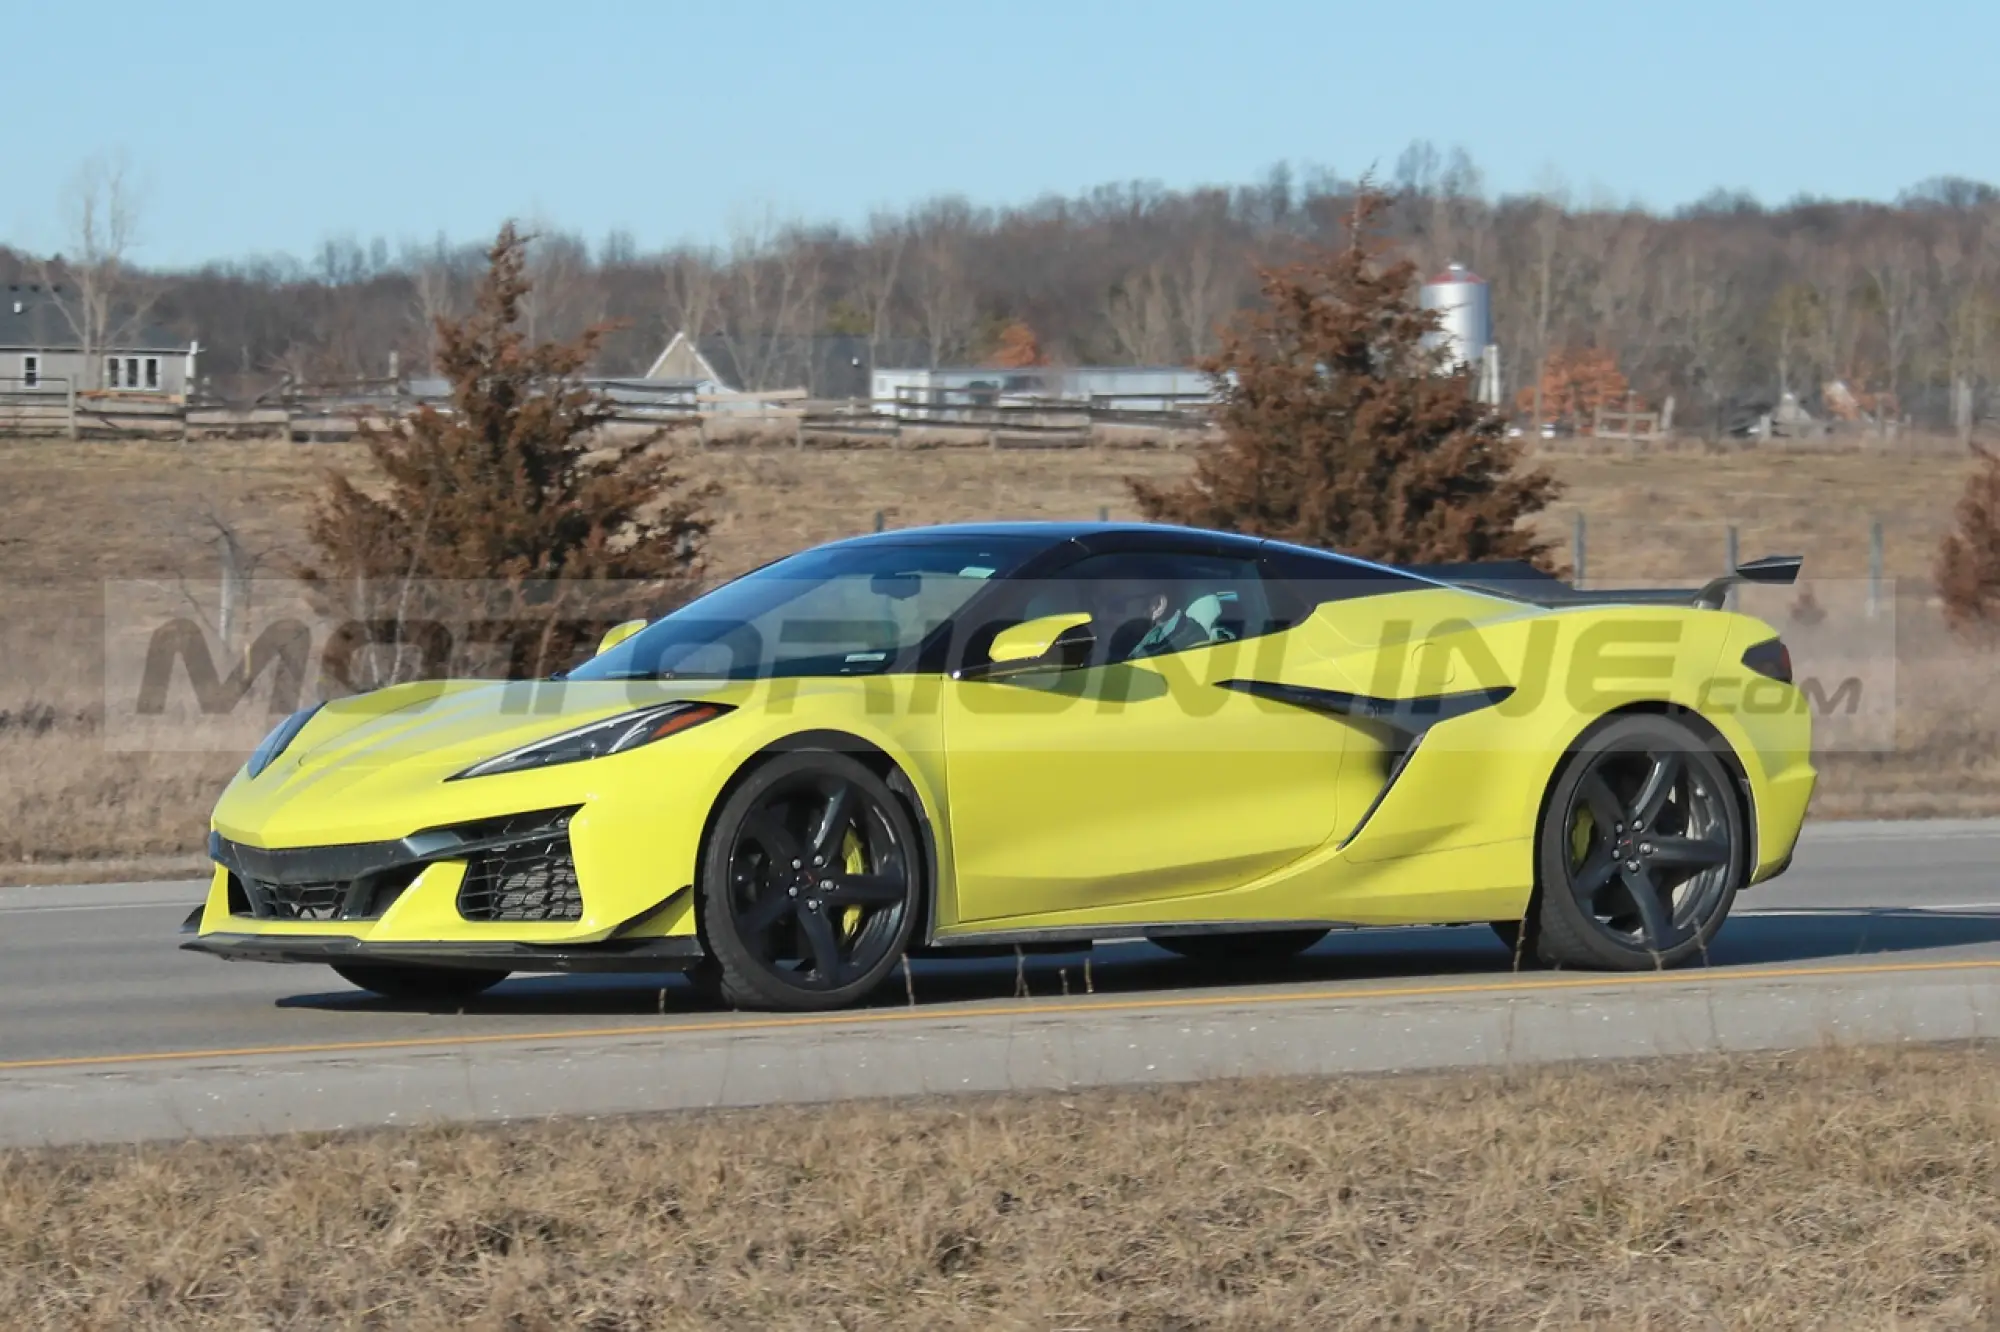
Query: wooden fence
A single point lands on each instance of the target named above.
(337, 412)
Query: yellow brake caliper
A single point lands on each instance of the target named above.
(1579, 838)
(852, 861)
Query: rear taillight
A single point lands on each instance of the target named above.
(1770, 658)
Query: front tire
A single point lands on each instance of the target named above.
(418, 984)
(810, 884)
(1641, 850)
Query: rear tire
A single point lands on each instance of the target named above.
(1641, 850)
(411, 984)
(1260, 946)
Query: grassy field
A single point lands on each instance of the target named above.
(1836, 1190)
(78, 515)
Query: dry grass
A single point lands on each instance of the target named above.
(78, 515)
(1832, 1190)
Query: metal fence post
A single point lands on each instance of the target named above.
(1874, 568)
(878, 520)
(1104, 513)
(1729, 601)
(1576, 551)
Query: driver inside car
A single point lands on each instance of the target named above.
(1146, 621)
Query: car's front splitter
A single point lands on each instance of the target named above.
(614, 955)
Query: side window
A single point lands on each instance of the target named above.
(1146, 604)
(1304, 579)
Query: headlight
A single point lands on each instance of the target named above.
(614, 735)
(281, 735)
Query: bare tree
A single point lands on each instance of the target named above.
(1204, 286)
(1898, 274)
(1142, 316)
(1548, 232)
(1964, 256)
(691, 279)
(101, 296)
(340, 261)
(563, 300)
(1700, 304)
(768, 298)
(877, 273)
(1836, 337)
(436, 286)
(1794, 313)
(1439, 199)
(1615, 289)
(941, 286)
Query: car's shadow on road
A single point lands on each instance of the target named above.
(1461, 953)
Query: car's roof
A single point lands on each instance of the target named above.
(1051, 531)
(1051, 534)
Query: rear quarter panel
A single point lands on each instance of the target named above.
(1479, 779)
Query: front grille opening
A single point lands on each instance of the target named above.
(534, 879)
(363, 899)
(290, 901)
(374, 896)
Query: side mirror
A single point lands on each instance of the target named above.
(1050, 643)
(618, 634)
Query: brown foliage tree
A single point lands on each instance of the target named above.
(1018, 347)
(1968, 561)
(1341, 428)
(1576, 381)
(508, 508)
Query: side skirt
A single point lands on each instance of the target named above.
(1086, 935)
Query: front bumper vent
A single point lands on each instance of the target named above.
(365, 898)
(291, 901)
(530, 879)
(517, 867)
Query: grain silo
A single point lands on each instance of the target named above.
(1465, 309)
(1459, 295)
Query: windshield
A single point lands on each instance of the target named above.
(837, 610)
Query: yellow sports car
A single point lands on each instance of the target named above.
(1035, 736)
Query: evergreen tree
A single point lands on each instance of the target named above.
(512, 497)
(1342, 429)
(1968, 561)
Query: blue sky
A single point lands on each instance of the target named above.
(266, 128)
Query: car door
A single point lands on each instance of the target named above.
(1141, 776)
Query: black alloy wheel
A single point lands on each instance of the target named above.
(811, 883)
(1641, 850)
(411, 984)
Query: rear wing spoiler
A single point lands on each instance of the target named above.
(1520, 581)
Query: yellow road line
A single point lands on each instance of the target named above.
(878, 1017)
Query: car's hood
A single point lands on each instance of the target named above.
(379, 765)
(459, 722)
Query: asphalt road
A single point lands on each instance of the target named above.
(108, 1032)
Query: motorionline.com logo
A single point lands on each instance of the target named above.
(182, 680)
